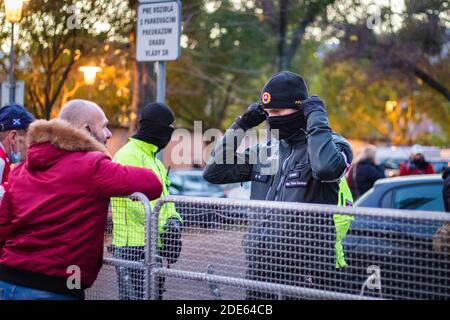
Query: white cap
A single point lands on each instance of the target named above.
(416, 149)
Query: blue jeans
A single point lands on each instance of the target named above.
(10, 291)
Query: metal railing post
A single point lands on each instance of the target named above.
(147, 253)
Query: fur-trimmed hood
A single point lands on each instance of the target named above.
(48, 140)
(62, 135)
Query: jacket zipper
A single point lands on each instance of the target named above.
(283, 176)
(272, 180)
(162, 176)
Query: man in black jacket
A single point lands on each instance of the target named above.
(288, 248)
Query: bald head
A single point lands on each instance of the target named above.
(80, 112)
(84, 114)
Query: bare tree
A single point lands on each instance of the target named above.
(286, 15)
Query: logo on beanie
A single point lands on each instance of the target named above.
(266, 98)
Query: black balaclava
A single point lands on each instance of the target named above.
(285, 90)
(287, 125)
(155, 125)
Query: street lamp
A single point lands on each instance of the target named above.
(13, 11)
(90, 73)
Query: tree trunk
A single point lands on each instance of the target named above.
(144, 90)
(281, 38)
(134, 107)
(143, 83)
(147, 84)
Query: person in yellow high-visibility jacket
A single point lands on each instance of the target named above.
(155, 130)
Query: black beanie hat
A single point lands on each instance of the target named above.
(284, 89)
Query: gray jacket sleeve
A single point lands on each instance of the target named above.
(226, 165)
(329, 153)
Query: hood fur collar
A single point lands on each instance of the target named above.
(62, 135)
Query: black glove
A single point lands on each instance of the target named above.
(171, 239)
(254, 116)
(312, 104)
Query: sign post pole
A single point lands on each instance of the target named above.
(161, 93)
(158, 38)
(161, 86)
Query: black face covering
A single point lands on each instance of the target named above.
(287, 125)
(154, 133)
(419, 162)
(155, 125)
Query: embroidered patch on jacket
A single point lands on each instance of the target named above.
(294, 175)
(296, 183)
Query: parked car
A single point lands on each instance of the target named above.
(421, 192)
(401, 248)
(391, 166)
(190, 182)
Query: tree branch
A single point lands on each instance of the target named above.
(430, 81)
(313, 11)
(281, 35)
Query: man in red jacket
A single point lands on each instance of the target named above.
(53, 215)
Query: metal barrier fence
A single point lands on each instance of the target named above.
(238, 250)
(125, 271)
(271, 250)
